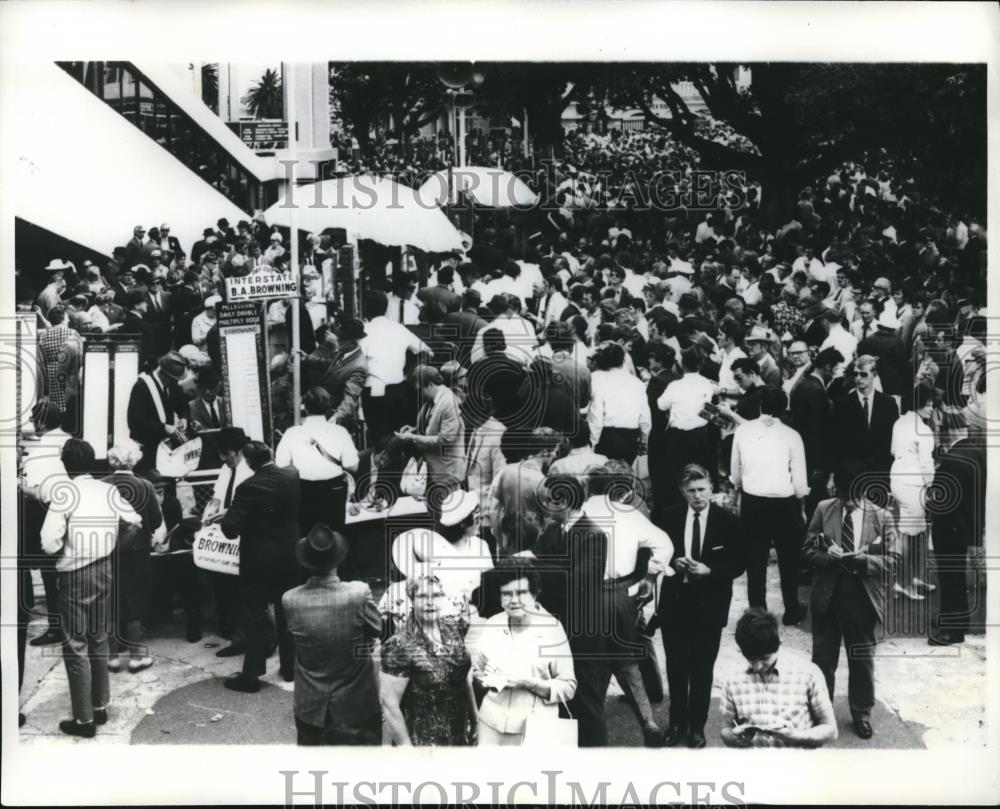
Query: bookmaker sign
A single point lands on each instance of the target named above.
(261, 285)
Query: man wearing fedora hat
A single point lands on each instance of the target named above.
(208, 410)
(334, 624)
(134, 248)
(343, 375)
(156, 407)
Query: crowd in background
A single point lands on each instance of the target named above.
(658, 397)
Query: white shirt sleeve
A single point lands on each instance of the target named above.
(283, 454)
(53, 532)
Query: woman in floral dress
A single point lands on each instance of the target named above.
(426, 684)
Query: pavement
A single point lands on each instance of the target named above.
(928, 697)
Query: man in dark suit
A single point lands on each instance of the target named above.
(461, 327)
(139, 328)
(158, 312)
(133, 250)
(958, 525)
(572, 555)
(333, 623)
(853, 548)
(123, 286)
(156, 408)
(186, 303)
(811, 407)
(265, 516)
(440, 300)
(694, 602)
(208, 410)
(203, 245)
(343, 374)
(863, 420)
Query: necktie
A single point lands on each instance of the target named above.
(229, 490)
(847, 532)
(696, 538)
(402, 305)
(215, 416)
(865, 406)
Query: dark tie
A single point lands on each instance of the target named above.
(402, 304)
(847, 532)
(229, 490)
(696, 538)
(214, 414)
(865, 407)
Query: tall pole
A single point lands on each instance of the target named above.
(525, 131)
(461, 136)
(289, 87)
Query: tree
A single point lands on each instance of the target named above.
(397, 97)
(210, 86)
(804, 120)
(265, 98)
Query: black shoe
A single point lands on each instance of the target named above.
(696, 740)
(672, 736)
(652, 736)
(794, 617)
(193, 633)
(288, 675)
(50, 637)
(945, 639)
(21, 719)
(242, 682)
(100, 716)
(863, 728)
(73, 728)
(232, 650)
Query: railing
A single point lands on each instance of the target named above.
(131, 94)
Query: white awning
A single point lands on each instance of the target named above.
(181, 92)
(89, 175)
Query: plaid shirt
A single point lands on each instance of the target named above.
(793, 694)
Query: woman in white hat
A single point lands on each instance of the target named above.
(451, 551)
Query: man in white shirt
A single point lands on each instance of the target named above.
(839, 338)
(687, 439)
(386, 400)
(864, 327)
(554, 303)
(321, 451)
(83, 529)
(769, 465)
(202, 323)
(404, 307)
(519, 334)
(619, 415)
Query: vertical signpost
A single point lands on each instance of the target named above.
(246, 374)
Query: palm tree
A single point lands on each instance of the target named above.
(210, 86)
(265, 99)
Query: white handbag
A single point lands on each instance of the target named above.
(548, 729)
(414, 479)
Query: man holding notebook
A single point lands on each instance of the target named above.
(852, 546)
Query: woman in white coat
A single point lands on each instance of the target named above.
(912, 472)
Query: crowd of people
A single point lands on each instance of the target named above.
(609, 420)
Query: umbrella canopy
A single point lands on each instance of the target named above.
(372, 208)
(84, 172)
(489, 187)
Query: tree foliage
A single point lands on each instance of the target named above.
(401, 96)
(265, 99)
(804, 120)
(210, 86)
